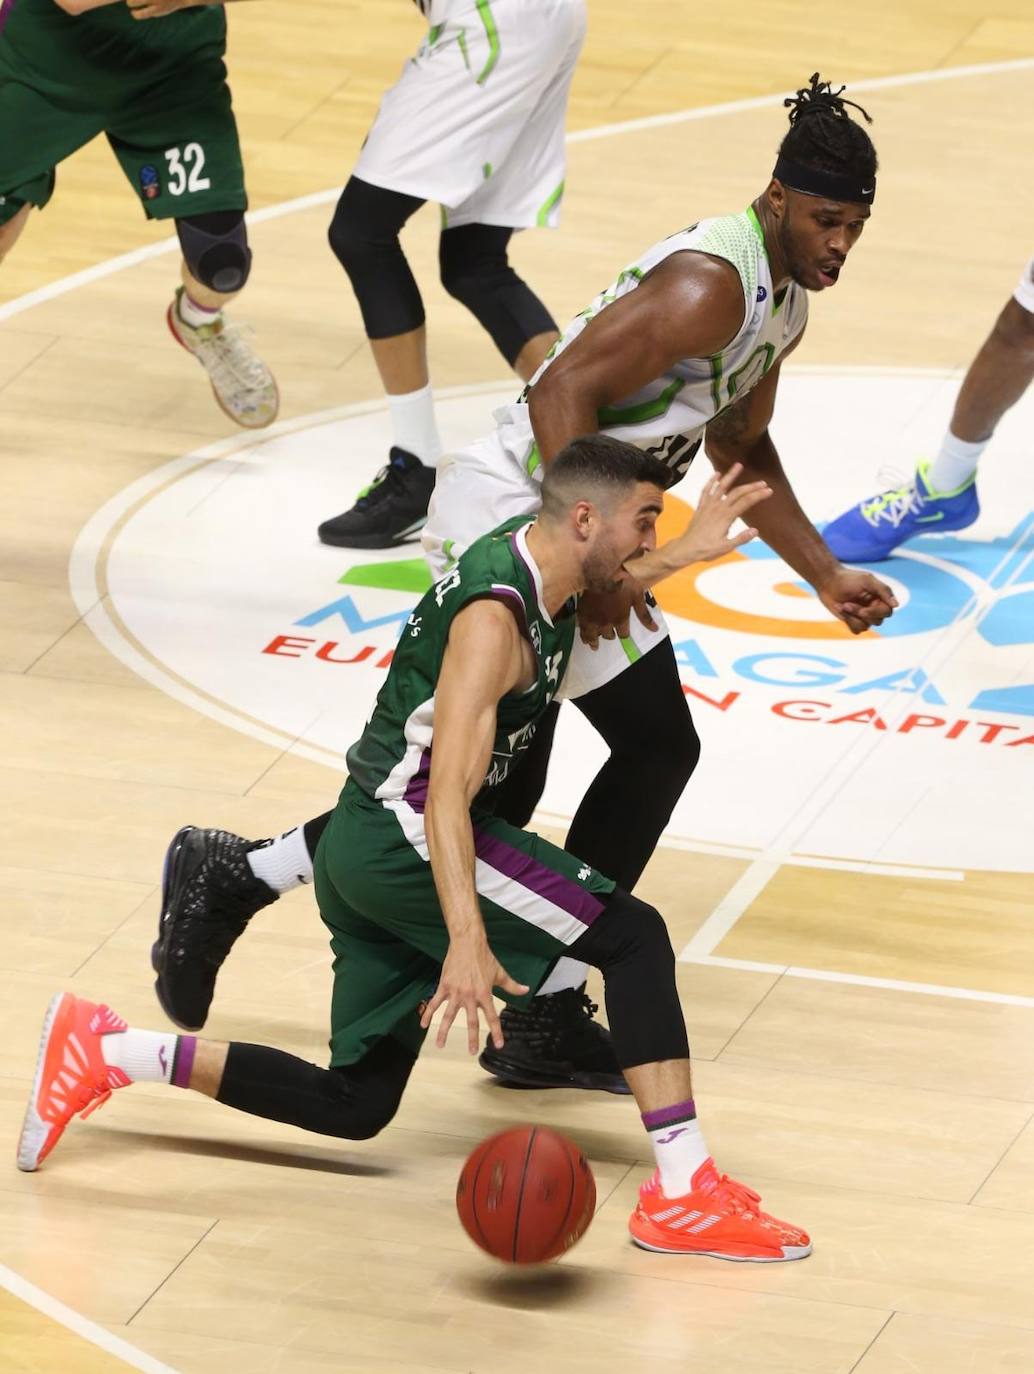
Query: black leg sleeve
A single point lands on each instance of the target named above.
(643, 716)
(476, 271)
(628, 942)
(354, 1102)
(364, 235)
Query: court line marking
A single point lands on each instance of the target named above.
(733, 851)
(752, 883)
(862, 980)
(81, 1326)
(630, 126)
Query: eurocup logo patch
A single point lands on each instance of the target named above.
(150, 185)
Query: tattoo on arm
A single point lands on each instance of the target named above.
(731, 425)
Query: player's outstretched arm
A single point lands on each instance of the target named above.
(689, 306)
(483, 661)
(740, 435)
(708, 535)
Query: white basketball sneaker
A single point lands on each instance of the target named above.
(243, 385)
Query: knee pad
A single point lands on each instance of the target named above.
(364, 237)
(476, 272)
(215, 249)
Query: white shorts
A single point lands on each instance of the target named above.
(476, 120)
(479, 488)
(1024, 292)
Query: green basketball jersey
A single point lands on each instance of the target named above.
(392, 760)
(86, 61)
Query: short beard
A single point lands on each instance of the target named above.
(600, 575)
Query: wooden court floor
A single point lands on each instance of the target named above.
(897, 1125)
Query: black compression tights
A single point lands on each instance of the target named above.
(654, 747)
(354, 1102)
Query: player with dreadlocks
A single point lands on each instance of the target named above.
(685, 347)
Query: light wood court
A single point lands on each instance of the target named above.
(894, 1121)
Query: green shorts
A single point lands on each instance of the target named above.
(177, 142)
(376, 893)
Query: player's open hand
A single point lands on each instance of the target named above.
(721, 504)
(858, 599)
(469, 974)
(606, 615)
(158, 9)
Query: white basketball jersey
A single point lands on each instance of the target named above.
(668, 415)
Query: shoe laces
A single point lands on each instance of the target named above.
(733, 1196)
(902, 498)
(389, 479)
(229, 360)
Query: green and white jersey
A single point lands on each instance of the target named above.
(392, 760)
(668, 415)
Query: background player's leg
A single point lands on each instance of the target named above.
(945, 491)
(364, 235)
(11, 231)
(997, 378)
(215, 267)
(643, 717)
(476, 271)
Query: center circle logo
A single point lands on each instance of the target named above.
(207, 578)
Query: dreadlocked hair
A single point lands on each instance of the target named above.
(824, 136)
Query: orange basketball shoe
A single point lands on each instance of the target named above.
(71, 1075)
(717, 1217)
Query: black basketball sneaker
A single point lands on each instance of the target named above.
(555, 1043)
(392, 509)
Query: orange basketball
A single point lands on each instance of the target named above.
(526, 1195)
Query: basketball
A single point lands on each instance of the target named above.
(526, 1195)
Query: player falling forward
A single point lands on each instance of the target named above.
(448, 902)
(71, 69)
(688, 340)
(475, 122)
(942, 495)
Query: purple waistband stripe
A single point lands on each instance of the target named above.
(670, 1116)
(536, 877)
(415, 794)
(183, 1060)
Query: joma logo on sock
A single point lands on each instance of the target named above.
(667, 1139)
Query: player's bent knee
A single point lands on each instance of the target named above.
(362, 1116)
(215, 249)
(628, 932)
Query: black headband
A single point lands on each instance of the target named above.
(811, 182)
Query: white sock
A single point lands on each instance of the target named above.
(143, 1056)
(414, 427)
(567, 973)
(192, 313)
(678, 1146)
(955, 463)
(284, 863)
